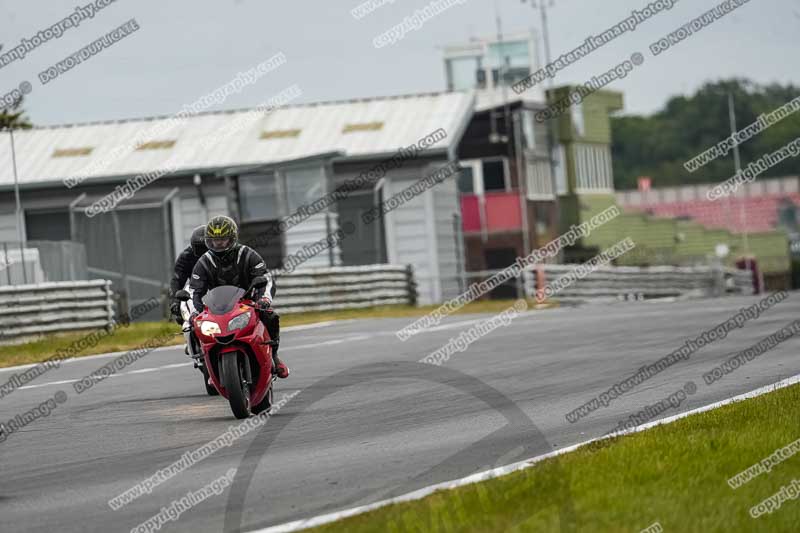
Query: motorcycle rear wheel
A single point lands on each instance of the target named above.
(211, 390)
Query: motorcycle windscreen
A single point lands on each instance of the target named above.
(221, 300)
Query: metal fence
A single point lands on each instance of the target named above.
(131, 245)
(54, 307)
(324, 289)
(42, 261)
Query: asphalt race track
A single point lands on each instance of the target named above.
(386, 427)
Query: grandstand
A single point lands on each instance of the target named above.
(760, 206)
(765, 210)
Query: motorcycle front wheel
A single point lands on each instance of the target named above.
(233, 379)
(266, 403)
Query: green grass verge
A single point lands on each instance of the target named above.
(126, 338)
(675, 475)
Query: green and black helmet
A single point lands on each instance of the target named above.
(221, 235)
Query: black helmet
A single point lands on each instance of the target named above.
(198, 241)
(221, 235)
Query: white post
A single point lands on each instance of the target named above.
(16, 186)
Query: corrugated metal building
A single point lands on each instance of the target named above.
(257, 166)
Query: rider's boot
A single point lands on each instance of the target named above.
(274, 329)
(278, 366)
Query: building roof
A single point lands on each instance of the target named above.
(356, 128)
(497, 98)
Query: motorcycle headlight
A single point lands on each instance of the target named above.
(209, 328)
(239, 322)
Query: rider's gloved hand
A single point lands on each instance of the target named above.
(263, 305)
(175, 309)
(192, 318)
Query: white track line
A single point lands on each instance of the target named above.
(62, 382)
(178, 365)
(88, 358)
(164, 348)
(141, 371)
(303, 327)
(315, 325)
(351, 338)
(505, 470)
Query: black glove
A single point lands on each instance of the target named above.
(175, 309)
(263, 305)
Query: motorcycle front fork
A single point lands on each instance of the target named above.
(192, 349)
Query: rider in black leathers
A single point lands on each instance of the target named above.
(183, 268)
(228, 262)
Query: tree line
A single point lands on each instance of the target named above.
(658, 145)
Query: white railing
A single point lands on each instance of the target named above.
(642, 283)
(332, 288)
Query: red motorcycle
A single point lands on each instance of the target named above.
(236, 348)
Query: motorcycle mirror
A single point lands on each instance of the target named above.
(258, 282)
(183, 296)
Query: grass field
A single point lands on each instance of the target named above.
(128, 337)
(674, 475)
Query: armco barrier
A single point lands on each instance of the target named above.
(332, 288)
(31, 310)
(643, 283)
(54, 307)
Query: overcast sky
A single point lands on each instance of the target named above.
(186, 48)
